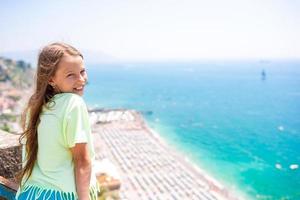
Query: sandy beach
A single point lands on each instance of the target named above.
(147, 166)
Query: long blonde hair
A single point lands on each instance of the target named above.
(48, 61)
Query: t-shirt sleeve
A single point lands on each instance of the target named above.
(77, 124)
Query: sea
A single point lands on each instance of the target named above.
(237, 120)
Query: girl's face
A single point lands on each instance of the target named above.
(70, 75)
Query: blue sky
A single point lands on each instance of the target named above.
(157, 29)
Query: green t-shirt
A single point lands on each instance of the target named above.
(62, 125)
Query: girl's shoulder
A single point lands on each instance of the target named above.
(73, 100)
(69, 98)
(64, 102)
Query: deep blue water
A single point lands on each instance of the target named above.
(243, 130)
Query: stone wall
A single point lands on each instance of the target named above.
(10, 155)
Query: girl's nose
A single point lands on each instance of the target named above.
(82, 78)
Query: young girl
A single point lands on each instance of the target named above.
(59, 154)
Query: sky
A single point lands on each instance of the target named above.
(157, 29)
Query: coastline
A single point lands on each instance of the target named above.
(221, 187)
(195, 182)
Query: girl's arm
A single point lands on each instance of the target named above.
(82, 172)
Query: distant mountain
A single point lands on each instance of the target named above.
(90, 57)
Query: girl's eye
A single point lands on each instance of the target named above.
(82, 71)
(69, 75)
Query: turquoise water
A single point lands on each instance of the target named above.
(243, 130)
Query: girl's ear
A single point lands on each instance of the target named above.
(51, 82)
